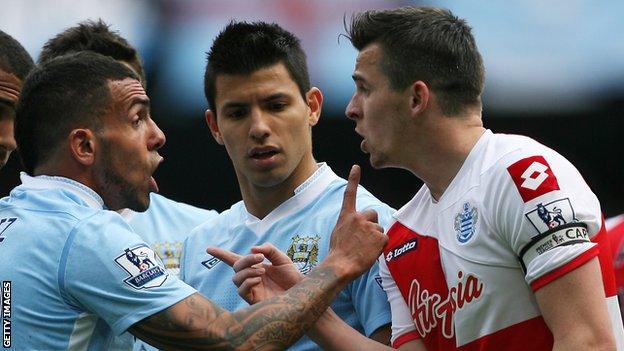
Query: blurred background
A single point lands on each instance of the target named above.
(555, 72)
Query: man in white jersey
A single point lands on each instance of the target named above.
(503, 248)
(166, 223)
(75, 272)
(15, 63)
(263, 110)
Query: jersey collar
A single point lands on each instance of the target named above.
(90, 197)
(305, 193)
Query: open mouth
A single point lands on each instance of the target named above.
(263, 153)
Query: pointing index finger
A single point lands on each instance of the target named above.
(348, 199)
(224, 255)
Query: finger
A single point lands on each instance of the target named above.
(248, 261)
(224, 255)
(370, 215)
(348, 199)
(272, 253)
(245, 289)
(247, 273)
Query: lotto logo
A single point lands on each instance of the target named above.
(533, 177)
(399, 251)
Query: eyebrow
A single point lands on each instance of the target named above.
(139, 101)
(357, 78)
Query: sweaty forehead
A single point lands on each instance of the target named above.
(10, 87)
(370, 55)
(127, 90)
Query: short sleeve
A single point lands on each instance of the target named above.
(108, 270)
(403, 329)
(370, 301)
(547, 213)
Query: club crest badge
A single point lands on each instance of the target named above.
(145, 269)
(466, 223)
(303, 251)
(169, 253)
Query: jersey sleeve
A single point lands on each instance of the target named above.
(403, 329)
(547, 214)
(108, 270)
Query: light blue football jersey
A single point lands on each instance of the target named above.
(78, 272)
(164, 226)
(300, 227)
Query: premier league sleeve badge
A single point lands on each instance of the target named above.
(144, 268)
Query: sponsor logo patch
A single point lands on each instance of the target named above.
(406, 247)
(303, 251)
(145, 269)
(533, 177)
(466, 223)
(211, 262)
(551, 215)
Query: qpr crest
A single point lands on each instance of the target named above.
(144, 268)
(303, 251)
(465, 223)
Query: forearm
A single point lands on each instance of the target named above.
(332, 333)
(198, 324)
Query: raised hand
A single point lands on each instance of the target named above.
(357, 240)
(257, 280)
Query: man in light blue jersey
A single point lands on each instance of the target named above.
(263, 110)
(15, 63)
(75, 272)
(166, 223)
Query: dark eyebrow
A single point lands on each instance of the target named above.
(140, 101)
(276, 96)
(358, 78)
(234, 104)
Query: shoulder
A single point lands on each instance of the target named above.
(159, 203)
(221, 223)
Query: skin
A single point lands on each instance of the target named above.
(265, 112)
(195, 323)
(10, 87)
(258, 281)
(279, 321)
(438, 145)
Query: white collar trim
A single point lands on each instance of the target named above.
(55, 182)
(305, 193)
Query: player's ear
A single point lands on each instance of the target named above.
(314, 100)
(82, 146)
(211, 120)
(419, 97)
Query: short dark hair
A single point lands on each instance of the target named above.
(13, 57)
(62, 94)
(93, 36)
(243, 48)
(428, 44)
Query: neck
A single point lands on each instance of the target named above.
(261, 200)
(442, 149)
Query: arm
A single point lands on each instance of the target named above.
(276, 323)
(574, 309)
(258, 281)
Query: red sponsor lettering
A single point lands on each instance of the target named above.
(429, 309)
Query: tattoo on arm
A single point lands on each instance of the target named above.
(196, 323)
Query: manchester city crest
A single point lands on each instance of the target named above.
(303, 251)
(169, 253)
(466, 223)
